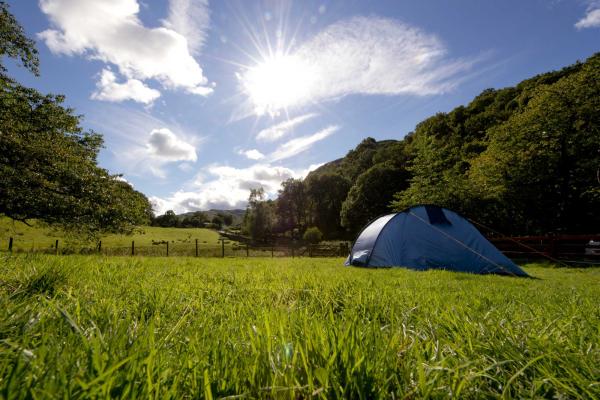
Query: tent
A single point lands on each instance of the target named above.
(428, 237)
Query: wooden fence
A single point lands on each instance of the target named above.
(565, 248)
(573, 249)
(194, 248)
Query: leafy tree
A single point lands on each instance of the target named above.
(258, 219)
(370, 196)
(167, 220)
(48, 163)
(14, 43)
(217, 221)
(312, 235)
(359, 160)
(541, 165)
(194, 220)
(227, 219)
(326, 193)
(292, 205)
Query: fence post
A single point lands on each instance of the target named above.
(272, 252)
(167, 248)
(196, 247)
(292, 250)
(133, 248)
(310, 250)
(56, 247)
(222, 247)
(247, 250)
(100, 246)
(10, 241)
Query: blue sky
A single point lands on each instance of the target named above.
(201, 100)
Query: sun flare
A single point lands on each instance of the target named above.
(279, 82)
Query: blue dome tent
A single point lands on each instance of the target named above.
(428, 237)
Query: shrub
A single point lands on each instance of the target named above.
(313, 235)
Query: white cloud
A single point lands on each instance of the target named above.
(111, 31)
(108, 89)
(129, 133)
(252, 154)
(277, 131)
(591, 18)
(163, 144)
(190, 18)
(228, 188)
(301, 144)
(360, 55)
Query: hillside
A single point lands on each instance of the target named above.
(521, 159)
(237, 215)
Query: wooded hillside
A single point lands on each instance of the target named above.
(523, 160)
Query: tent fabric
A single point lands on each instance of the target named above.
(428, 237)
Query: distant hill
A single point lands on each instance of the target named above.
(236, 214)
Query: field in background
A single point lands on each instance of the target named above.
(94, 326)
(149, 240)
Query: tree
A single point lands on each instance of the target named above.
(312, 235)
(292, 205)
(194, 220)
(326, 193)
(541, 165)
(258, 219)
(370, 196)
(167, 220)
(227, 219)
(48, 163)
(217, 221)
(14, 43)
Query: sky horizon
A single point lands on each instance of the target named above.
(200, 101)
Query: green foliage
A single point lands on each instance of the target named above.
(258, 220)
(370, 196)
(227, 218)
(312, 235)
(14, 43)
(292, 205)
(292, 328)
(326, 193)
(167, 220)
(48, 164)
(523, 160)
(541, 164)
(194, 220)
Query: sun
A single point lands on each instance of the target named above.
(278, 82)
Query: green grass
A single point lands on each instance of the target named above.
(147, 240)
(90, 327)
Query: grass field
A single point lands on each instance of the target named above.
(147, 240)
(82, 327)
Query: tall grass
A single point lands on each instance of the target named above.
(81, 327)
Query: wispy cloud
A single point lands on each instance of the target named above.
(301, 144)
(360, 55)
(278, 131)
(591, 18)
(112, 32)
(190, 18)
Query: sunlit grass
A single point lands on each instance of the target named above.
(77, 326)
(39, 237)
